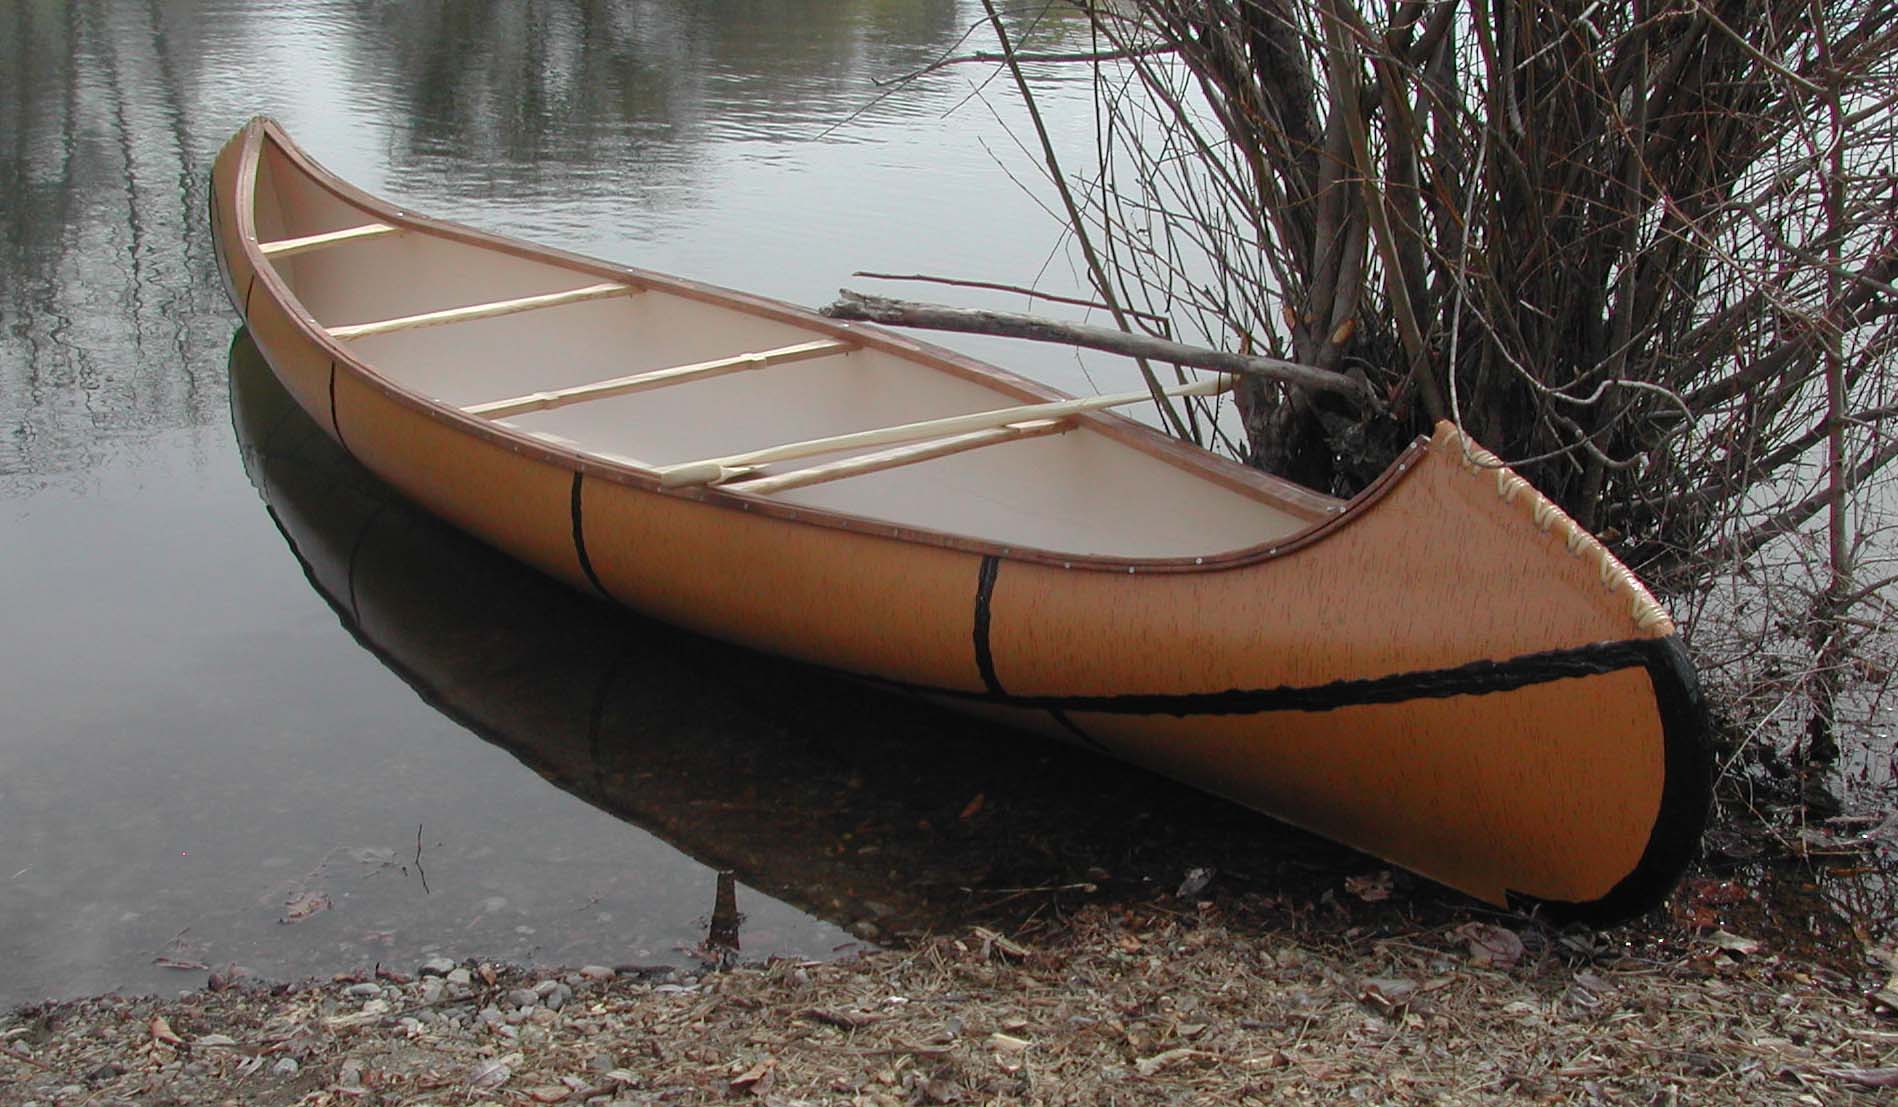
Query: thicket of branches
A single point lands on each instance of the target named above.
(1644, 251)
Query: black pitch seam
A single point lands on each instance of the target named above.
(984, 660)
(1474, 679)
(249, 287)
(580, 541)
(336, 425)
(985, 656)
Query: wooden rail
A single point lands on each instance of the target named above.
(657, 378)
(482, 311)
(287, 247)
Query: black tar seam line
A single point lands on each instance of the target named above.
(1472, 679)
(580, 540)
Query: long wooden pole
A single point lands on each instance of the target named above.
(878, 461)
(714, 470)
(1008, 324)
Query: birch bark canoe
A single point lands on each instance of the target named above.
(1446, 671)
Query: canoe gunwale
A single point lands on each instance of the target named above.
(1325, 515)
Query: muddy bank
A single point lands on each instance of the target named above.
(1166, 1002)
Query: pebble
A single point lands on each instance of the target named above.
(436, 966)
(523, 997)
(432, 989)
(460, 977)
(597, 972)
(351, 1074)
(363, 991)
(285, 1066)
(491, 1015)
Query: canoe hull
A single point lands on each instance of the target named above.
(1446, 673)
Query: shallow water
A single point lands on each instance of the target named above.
(211, 750)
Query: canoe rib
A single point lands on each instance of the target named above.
(290, 247)
(656, 378)
(483, 311)
(718, 469)
(902, 455)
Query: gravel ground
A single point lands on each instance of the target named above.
(1164, 1003)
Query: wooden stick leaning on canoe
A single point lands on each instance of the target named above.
(859, 307)
(732, 466)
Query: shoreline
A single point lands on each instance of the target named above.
(1134, 1004)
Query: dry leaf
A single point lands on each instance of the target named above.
(162, 1031)
(843, 1020)
(991, 939)
(1870, 1078)
(302, 905)
(493, 1073)
(165, 962)
(1490, 946)
(756, 1078)
(1372, 888)
(1386, 993)
(1734, 943)
(1147, 1066)
(1196, 881)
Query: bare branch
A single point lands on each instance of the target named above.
(902, 313)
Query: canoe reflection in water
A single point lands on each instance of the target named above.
(869, 810)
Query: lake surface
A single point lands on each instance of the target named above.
(255, 711)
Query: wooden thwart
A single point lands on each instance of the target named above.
(286, 247)
(483, 311)
(901, 455)
(714, 470)
(657, 378)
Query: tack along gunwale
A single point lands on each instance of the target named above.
(1258, 722)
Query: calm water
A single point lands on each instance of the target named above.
(252, 710)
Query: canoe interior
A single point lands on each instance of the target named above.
(1082, 492)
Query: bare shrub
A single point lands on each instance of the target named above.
(1644, 251)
